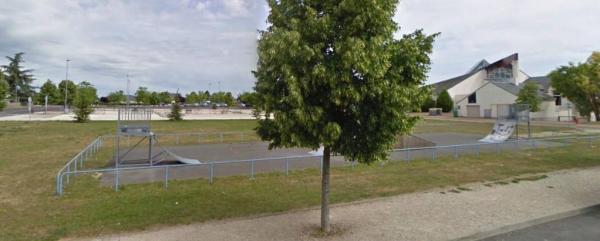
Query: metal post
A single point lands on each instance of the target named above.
(117, 180)
(166, 176)
(455, 152)
(433, 153)
(321, 165)
(407, 154)
(150, 150)
(252, 169)
(286, 166)
(211, 173)
(58, 177)
(478, 150)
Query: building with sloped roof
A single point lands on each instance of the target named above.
(488, 89)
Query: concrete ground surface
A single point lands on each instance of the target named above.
(429, 215)
(582, 227)
(229, 152)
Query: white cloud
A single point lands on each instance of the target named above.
(545, 33)
(193, 44)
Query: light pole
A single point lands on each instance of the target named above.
(66, 85)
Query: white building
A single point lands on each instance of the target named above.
(487, 90)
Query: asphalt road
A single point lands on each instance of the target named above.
(583, 227)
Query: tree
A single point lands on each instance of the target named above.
(248, 98)
(84, 99)
(19, 79)
(48, 89)
(175, 114)
(142, 96)
(165, 97)
(330, 74)
(71, 88)
(4, 88)
(116, 98)
(428, 104)
(529, 95)
(192, 97)
(222, 97)
(154, 98)
(444, 101)
(580, 83)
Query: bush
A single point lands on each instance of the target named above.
(445, 102)
(84, 99)
(429, 103)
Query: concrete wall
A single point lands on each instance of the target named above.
(488, 97)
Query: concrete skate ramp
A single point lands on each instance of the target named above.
(502, 130)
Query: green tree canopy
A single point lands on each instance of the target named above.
(85, 97)
(71, 88)
(444, 101)
(48, 89)
(18, 79)
(4, 89)
(580, 83)
(248, 98)
(165, 97)
(142, 96)
(222, 97)
(331, 74)
(117, 97)
(529, 95)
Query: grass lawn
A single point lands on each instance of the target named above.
(32, 152)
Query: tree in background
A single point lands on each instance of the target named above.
(175, 114)
(4, 88)
(529, 95)
(444, 101)
(331, 75)
(48, 89)
(580, 83)
(165, 97)
(84, 99)
(248, 98)
(142, 96)
(428, 104)
(116, 98)
(71, 88)
(18, 79)
(222, 97)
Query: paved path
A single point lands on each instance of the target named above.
(427, 215)
(583, 227)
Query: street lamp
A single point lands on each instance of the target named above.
(66, 85)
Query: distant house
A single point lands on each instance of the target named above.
(487, 90)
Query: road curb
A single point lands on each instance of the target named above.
(530, 223)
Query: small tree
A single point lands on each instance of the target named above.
(175, 114)
(580, 83)
(84, 99)
(445, 102)
(116, 98)
(330, 74)
(48, 89)
(3, 91)
(70, 88)
(19, 80)
(529, 95)
(142, 96)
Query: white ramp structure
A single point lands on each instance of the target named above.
(166, 155)
(503, 129)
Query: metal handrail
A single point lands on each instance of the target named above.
(63, 172)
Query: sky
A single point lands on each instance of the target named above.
(191, 45)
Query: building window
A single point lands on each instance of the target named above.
(473, 98)
(557, 100)
(500, 74)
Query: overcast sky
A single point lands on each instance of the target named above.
(197, 44)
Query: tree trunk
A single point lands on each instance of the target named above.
(325, 227)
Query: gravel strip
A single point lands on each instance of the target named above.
(431, 215)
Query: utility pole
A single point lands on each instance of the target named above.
(127, 98)
(66, 85)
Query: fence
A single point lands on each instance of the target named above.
(283, 163)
